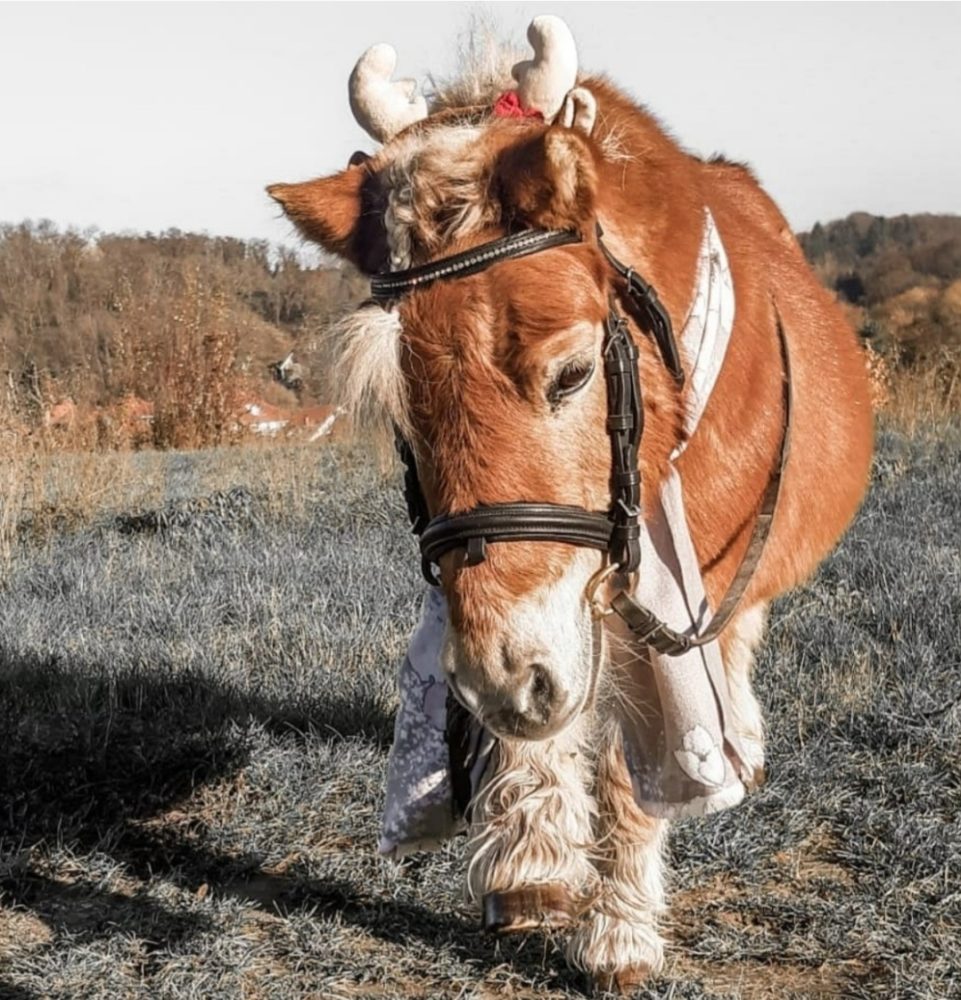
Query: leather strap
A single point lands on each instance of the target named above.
(646, 627)
(617, 531)
(384, 287)
(625, 424)
(511, 522)
(417, 511)
(651, 314)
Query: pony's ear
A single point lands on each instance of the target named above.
(326, 210)
(549, 180)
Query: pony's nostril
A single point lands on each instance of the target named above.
(532, 708)
(541, 691)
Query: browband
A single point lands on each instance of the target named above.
(460, 265)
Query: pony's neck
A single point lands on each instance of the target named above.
(650, 198)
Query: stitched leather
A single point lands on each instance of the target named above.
(649, 312)
(617, 531)
(647, 627)
(385, 287)
(512, 522)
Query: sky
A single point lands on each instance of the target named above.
(147, 116)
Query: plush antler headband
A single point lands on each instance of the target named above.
(545, 86)
(383, 107)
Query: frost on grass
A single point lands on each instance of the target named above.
(196, 713)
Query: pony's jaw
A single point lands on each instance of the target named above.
(528, 672)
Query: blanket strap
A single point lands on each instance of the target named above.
(646, 626)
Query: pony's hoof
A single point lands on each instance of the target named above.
(623, 982)
(527, 909)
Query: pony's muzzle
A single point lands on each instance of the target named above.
(528, 704)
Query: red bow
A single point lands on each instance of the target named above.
(508, 105)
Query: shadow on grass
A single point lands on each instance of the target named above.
(91, 763)
(537, 955)
(10, 992)
(85, 912)
(88, 760)
(397, 920)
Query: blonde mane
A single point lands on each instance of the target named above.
(484, 61)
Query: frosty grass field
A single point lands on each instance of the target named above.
(196, 707)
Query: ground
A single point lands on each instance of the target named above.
(196, 703)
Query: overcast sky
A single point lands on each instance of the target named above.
(149, 116)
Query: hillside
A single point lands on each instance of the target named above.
(98, 316)
(193, 323)
(900, 276)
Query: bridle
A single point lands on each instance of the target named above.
(617, 530)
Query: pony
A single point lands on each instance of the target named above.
(491, 380)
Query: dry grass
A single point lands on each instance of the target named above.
(196, 675)
(188, 355)
(48, 487)
(920, 397)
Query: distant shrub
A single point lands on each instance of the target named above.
(899, 280)
(177, 319)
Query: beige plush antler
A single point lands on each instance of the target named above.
(543, 82)
(383, 107)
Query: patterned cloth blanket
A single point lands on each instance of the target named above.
(682, 754)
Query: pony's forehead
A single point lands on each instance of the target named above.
(524, 301)
(435, 185)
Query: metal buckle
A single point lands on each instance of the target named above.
(598, 609)
(631, 510)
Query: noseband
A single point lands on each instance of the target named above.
(616, 531)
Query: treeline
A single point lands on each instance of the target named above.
(98, 316)
(901, 277)
(190, 322)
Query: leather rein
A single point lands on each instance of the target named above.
(616, 531)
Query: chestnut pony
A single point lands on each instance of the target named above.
(492, 378)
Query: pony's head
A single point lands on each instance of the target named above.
(496, 378)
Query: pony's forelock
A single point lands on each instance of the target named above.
(484, 62)
(437, 191)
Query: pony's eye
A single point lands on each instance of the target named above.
(573, 376)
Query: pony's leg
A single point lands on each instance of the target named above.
(531, 831)
(738, 643)
(618, 942)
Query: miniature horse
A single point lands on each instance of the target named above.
(491, 378)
